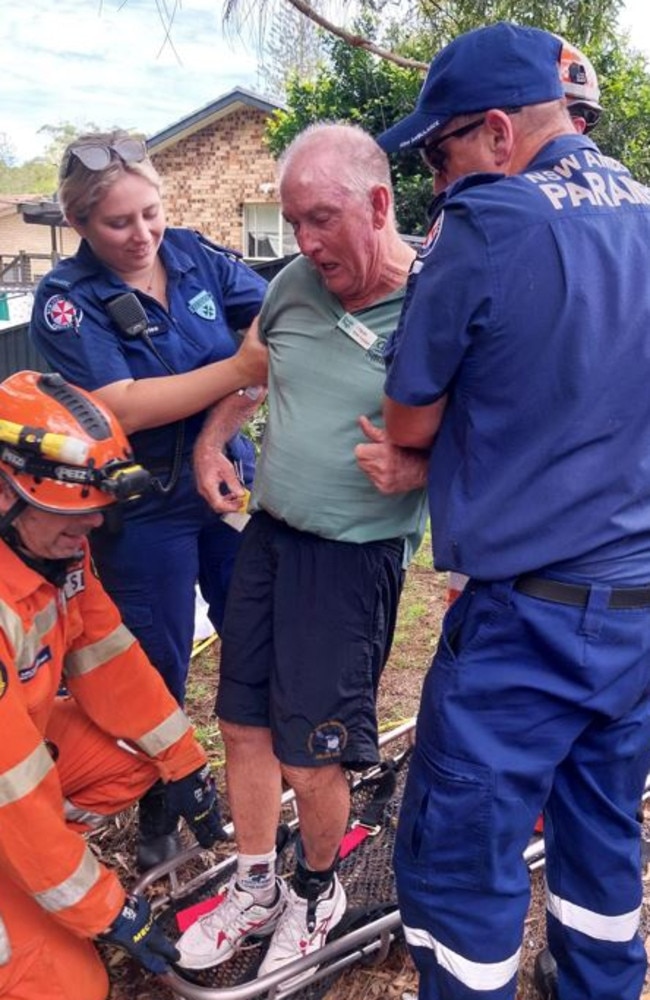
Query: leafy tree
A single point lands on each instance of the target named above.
(61, 135)
(40, 174)
(33, 177)
(624, 129)
(357, 86)
(294, 46)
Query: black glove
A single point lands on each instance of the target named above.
(134, 930)
(195, 798)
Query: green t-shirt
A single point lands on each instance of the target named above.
(320, 381)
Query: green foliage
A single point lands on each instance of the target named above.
(581, 21)
(294, 45)
(358, 87)
(33, 177)
(624, 129)
(40, 174)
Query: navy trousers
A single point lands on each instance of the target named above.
(150, 567)
(528, 706)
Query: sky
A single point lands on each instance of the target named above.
(108, 62)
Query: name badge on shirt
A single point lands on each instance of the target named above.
(360, 333)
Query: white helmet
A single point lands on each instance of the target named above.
(580, 84)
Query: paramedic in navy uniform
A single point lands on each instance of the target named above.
(522, 357)
(159, 378)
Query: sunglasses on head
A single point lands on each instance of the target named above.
(435, 157)
(98, 155)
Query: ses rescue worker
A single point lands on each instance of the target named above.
(66, 763)
(522, 360)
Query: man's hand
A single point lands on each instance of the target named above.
(252, 358)
(216, 479)
(134, 930)
(195, 798)
(390, 468)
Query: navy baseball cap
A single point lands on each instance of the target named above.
(499, 66)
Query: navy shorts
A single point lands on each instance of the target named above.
(308, 628)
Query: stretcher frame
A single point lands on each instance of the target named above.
(369, 943)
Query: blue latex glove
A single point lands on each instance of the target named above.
(195, 798)
(134, 930)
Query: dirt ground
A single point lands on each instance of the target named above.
(422, 607)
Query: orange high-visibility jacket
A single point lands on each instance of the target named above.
(73, 633)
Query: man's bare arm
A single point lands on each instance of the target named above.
(413, 426)
(211, 467)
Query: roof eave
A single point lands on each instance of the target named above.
(207, 115)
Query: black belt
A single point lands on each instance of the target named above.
(577, 595)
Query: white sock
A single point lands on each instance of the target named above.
(256, 874)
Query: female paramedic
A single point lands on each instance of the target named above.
(147, 318)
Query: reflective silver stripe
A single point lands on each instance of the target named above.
(11, 624)
(165, 735)
(83, 661)
(74, 814)
(27, 644)
(24, 777)
(5, 947)
(594, 925)
(475, 975)
(78, 885)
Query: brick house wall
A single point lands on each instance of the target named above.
(210, 174)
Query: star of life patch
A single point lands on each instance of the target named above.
(61, 314)
(432, 236)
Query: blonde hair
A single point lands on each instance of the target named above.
(82, 189)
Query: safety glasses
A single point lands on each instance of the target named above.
(98, 155)
(435, 156)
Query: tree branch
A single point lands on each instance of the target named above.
(357, 41)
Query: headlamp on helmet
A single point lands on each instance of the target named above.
(580, 84)
(61, 449)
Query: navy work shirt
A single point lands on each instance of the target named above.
(211, 295)
(530, 307)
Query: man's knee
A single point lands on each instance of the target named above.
(308, 781)
(239, 739)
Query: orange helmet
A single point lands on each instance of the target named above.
(61, 449)
(580, 84)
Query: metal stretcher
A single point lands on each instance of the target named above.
(372, 920)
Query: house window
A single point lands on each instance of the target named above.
(266, 234)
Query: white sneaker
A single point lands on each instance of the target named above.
(293, 940)
(215, 937)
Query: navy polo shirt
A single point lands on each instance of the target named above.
(211, 293)
(529, 307)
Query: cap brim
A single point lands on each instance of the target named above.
(411, 131)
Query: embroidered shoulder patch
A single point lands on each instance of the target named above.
(61, 314)
(203, 305)
(432, 236)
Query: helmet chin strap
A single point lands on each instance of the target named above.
(9, 516)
